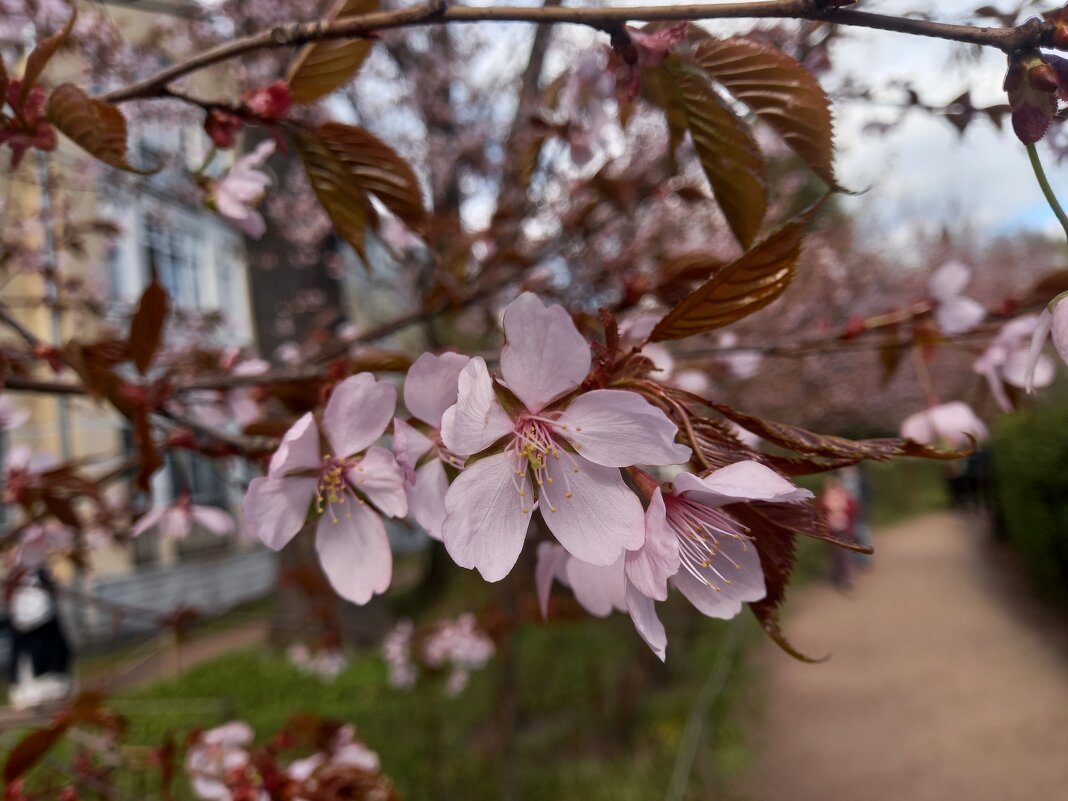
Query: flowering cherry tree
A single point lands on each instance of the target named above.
(588, 290)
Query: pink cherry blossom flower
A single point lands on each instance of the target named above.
(1005, 361)
(1053, 320)
(215, 756)
(344, 750)
(946, 423)
(351, 485)
(397, 651)
(38, 540)
(236, 195)
(429, 390)
(11, 416)
(326, 663)
(554, 448)
(690, 543)
(177, 520)
(22, 470)
(953, 312)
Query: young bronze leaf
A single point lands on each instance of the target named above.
(728, 152)
(778, 552)
(344, 202)
(30, 750)
(780, 91)
(3, 79)
(97, 127)
(742, 287)
(42, 54)
(146, 326)
(322, 67)
(831, 447)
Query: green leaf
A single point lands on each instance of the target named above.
(146, 326)
(42, 54)
(740, 288)
(727, 149)
(97, 127)
(780, 91)
(322, 67)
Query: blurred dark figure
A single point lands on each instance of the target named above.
(40, 661)
(841, 509)
(856, 483)
(967, 480)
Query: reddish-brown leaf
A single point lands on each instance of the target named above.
(3, 79)
(149, 458)
(740, 288)
(95, 126)
(727, 149)
(376, 169)
(42, 54)
(832, 447)
(322, 67)
(777, 549)
(780, 91)
(343, 201)
(146, 326)
(31, 749)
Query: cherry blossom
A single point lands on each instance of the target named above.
(29, 127)
(1052, 321)
(22, 469)
(11, 416)
(690, 543)
(554, 448)
(326, 663)
(456, 647)
(236, 195)
(429, 390)
(343, 750)
(38, 540)
(946, 423)
(1005, 361)
(351, 486)
(177, 520)
(954, 313)
(397, 651)
(214, 756)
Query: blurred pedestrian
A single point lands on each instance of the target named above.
(840, 509)
(40, 665)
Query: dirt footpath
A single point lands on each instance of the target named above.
(943, 684)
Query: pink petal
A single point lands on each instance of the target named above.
(544, 355)
(214, 520)
(147, 521)
(600, 520)
(1038, 341)
(358, 412)
(426, 499)
(12, 416)
(299, 450)
(616, 428)
(276, 508)
(487, 519)
(1060, 329)
(948, 423)
(741, 481)
(958, 315)
(746, 581)
(354, 552)
(236, 733)
(650, 567)
(379, 477)
(551, 561)
(1014, 371)
(949, 280)
(175, 523)
(646, 623)
(430, 387)
(409, 445)
(477, 420)
(598, 588)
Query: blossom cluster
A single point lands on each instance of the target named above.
(483, 452)
(455, 648)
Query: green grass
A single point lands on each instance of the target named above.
(595, 715)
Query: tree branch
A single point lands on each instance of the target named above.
(1031, 34)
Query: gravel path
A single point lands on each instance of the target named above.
(946, 682)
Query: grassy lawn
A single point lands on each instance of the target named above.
(592, 715)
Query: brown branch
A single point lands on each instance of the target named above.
(1031, 34)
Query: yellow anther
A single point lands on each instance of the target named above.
(567, 494)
